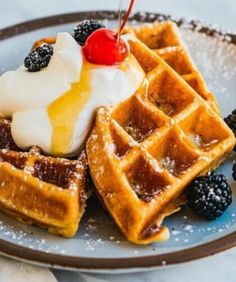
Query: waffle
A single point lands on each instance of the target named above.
(42, 190)
(164, 38)
(144, 151)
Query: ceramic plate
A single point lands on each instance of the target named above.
(99, 246)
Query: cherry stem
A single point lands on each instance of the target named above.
(131, 4)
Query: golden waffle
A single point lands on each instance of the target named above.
(164, 38)
(144, 151)
(42, 190)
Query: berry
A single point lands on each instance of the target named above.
(209, 196)
(231, 122)
(234, 171)
(103, 48)
(39, 58)
(84, 29)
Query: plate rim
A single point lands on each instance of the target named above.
(15, 251)
(123, 263)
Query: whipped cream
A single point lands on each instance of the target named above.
(21, 90)
(29, 98)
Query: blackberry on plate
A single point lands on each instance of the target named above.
(231, 122)
(209, 196)
(38, 58)
(84, 29)
(234, 171)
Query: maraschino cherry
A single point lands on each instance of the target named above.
(104, 47)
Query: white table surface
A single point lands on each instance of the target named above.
(219, 268)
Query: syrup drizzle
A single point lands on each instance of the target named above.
(131, 4)
(64, 111)
(126, 66)
(119, 21)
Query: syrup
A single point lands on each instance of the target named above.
(131, 4)
(130, 62)
(64, 111)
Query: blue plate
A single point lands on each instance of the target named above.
(99, 246)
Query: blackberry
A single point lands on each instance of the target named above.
(231, 122)
(39, 58)
(46, 50)
(209, 196)
(234, 171)
(84, 29)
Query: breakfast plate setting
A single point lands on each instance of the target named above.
(117, 139)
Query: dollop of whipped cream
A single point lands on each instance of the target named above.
(38, 102)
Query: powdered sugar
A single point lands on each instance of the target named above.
(216, 61)
(22, 238)
(219, 73)
(169, 164)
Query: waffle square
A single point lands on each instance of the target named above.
(42, 190)
(144, 151)
(164, 39)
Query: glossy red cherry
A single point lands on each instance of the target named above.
(103, 48)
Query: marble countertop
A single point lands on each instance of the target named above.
(218, 268)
